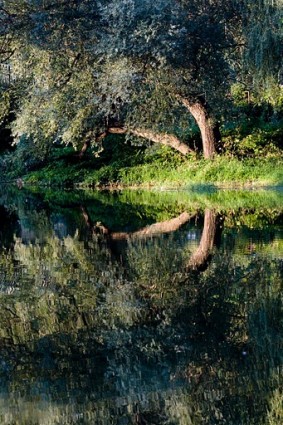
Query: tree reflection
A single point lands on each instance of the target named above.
(175, 333)
(211, 235)
(8, 226)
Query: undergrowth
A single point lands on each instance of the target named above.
(221, 171)
(253, 158)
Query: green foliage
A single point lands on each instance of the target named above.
(5, 105)
(239, 94)
(254, 138)
(275, 412)
(263, 51)
(74, 77)
(77, 77)
(161, 170)
(28, 156)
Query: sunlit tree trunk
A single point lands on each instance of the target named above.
(209, 132)
(91, 136)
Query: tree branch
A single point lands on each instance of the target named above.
(161, 138)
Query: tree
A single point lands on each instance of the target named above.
(182, 49)
(88, 69)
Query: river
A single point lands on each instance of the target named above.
(138, 307)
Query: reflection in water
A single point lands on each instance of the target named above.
(210, 234)
(172, 321)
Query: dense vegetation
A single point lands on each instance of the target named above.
(201, 77)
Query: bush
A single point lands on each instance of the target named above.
(26, 157)
(265, 141)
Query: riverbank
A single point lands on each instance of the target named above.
(163, 173)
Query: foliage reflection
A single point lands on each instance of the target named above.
(177, 322)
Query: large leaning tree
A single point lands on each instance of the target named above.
(86, 68)
(184, 51)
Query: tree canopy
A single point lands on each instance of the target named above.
(82, 69)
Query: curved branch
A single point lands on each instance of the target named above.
(161, 138)
(162, 227)
(210, 234)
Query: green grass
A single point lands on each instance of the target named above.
(222, 171)
(121, 164)
(253, 158)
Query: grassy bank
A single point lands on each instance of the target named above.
(251, 160)
(161, 172)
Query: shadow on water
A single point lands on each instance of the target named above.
(140, 308)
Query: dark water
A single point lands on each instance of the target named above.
(141, 308)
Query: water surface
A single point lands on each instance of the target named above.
(140, 307)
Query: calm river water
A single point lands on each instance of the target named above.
(141, 307)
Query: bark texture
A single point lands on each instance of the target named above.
(161, 138)
(206, 126)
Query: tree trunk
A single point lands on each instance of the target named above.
(207, 128)
(87, 143)
(162, 138)
(210, 233)
(85, 147)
